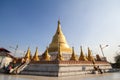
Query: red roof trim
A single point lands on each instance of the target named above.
(3, 49)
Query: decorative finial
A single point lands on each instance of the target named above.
(58, 21)
(81, 47)
(36, 47)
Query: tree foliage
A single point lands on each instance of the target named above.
(117, 60)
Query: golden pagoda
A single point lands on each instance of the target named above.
(46, 56)
(28, 55)
(73, 57)
(90, 57)
(36, 57)
(82, 57)
(59, 38)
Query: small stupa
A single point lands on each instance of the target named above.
(46, 56)
(28, 55)
(36, 57)
(82, 56)
(90, 57)
(73, 57)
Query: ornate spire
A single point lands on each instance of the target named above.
(46, 56)
(73, 57)
(36, 57)
(28, 54)
(82, 57)
(53, 47)
(90, 57)
(59, 31)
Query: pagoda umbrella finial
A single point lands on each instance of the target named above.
(58, 21)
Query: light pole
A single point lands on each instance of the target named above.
(102, 47)
(14, 49)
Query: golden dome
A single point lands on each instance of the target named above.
(59, 38)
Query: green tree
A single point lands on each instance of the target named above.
(117, 60)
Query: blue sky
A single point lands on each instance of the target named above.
(84, 22)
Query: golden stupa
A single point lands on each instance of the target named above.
(82, 57)
(73, 57)
(36, 57)
(59, 38)
(28, 54)
(90, 57)
(46, 56)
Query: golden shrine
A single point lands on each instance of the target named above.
(60, 50)
(60, 39)
(60, 60)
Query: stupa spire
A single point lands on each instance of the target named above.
(90, 57)
(36, 57)
(46, 56)
(53, 47)
(73, 57)
(82, 57)
(28, 54)
(59, 30)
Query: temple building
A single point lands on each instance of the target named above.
(61, 60)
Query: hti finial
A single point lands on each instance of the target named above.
(58, 21)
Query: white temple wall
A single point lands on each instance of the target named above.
(61, 69)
